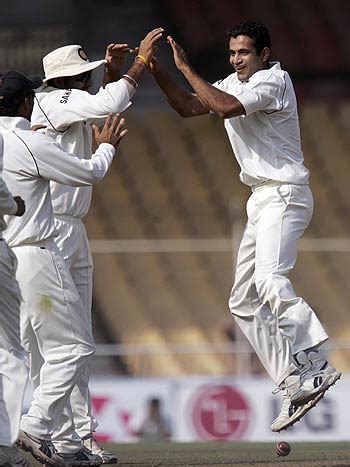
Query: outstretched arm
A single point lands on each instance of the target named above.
(53, 163)
(223, 104)
(185, 103)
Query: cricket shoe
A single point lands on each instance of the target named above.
(41, 449)
(81, 458)
(316, 377)
(92, 445)
(11, 457)
(290, 414)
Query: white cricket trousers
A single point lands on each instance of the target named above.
(77, 418)
(74, 246)
(56, 325)
(13, 370)
(277, 323)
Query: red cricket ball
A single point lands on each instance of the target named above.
(282, 448)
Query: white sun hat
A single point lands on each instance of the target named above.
(70, 60)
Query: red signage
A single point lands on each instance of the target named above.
(220, 412)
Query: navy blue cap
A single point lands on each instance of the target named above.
(14, 87)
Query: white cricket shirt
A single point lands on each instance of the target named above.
(266, 141)
(31, 160)
(68, 115)
(7, 204)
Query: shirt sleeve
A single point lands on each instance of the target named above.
(55, 164)
(7, 204)
(266, 95)
(221, 84)
(260, 93)
(67, 106)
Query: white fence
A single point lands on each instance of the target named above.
(182, 245)
(244, 363)
(119, 350)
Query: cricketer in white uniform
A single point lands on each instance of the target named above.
(67, 115)
(13, 369)
(51, 300)
(259, 106)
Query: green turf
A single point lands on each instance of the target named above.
(218, 453)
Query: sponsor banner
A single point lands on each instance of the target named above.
(206, 408)
(243, 409)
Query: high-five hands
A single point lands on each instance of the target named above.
(147, 45)
(112, 132)
(116, 55)
(180, 57)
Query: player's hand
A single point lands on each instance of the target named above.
(112, 132)
(115, 56)
(154, 65)
(21, 207)
(180, 57)
(147, 45)
(37, 127)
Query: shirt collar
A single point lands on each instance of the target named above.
(45, 88)
(276, 65)
(272, 65)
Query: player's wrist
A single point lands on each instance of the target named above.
(111, 74)
(142, 59)
(131, 80)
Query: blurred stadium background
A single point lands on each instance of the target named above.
(165, 223)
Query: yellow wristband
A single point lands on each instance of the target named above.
(143, 59)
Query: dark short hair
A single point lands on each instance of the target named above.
(256, 31)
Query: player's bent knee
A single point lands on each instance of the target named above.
(90, 351)
(87, 351)
(265, 287)
(240, 307)
(271, 286)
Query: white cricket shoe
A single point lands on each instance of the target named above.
(290, 414)
(11, 457)
(92, 445)
(41, 449)
(316, 377)
(81, 458)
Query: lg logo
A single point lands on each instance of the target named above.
(219, 412)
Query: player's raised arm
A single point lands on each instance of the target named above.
(53, 163)
(185, 103)
(223, 104)
(143, 58)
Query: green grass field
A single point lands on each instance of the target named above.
(218, 453)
